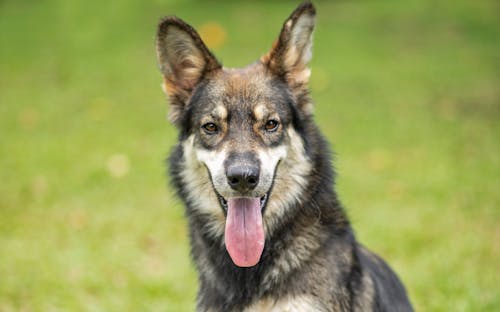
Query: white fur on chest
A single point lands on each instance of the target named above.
(287, 304)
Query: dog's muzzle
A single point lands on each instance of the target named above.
(244, 231)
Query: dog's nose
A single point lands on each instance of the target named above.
(242, 178)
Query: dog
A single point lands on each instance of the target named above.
(266, 228)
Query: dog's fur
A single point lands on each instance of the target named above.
(260, 118)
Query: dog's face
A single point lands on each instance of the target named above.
(244, 159)
(238, 126)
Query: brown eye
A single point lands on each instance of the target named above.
(210, 128)
(271, 125)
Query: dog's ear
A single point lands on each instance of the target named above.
(292, 51)
(184, 60)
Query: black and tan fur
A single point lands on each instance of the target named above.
(311, 260)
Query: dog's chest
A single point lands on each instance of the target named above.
(287, 304)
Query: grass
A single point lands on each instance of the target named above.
(406, 91)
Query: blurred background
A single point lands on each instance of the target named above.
(408, 92)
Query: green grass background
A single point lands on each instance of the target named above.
(407, 91)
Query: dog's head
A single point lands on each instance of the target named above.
(243, 151)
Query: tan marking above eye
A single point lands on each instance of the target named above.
(260, 111)
(220, 111)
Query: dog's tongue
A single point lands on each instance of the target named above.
(244, 236)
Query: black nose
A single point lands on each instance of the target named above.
(242, 178)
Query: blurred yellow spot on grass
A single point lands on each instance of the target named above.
(396, 189)
(118, 165)
(99, 108)
(78, 219)
(213, 34)
(378, 160)
(39, 186)
(28, 118)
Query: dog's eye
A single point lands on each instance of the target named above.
(271, 125)
(210, 128)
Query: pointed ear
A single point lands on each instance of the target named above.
(292, 51)
(184, 61)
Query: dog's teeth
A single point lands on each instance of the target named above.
(263, 200)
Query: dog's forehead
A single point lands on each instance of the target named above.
(246, 86)
(248, 89)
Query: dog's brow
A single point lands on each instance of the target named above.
(219, 112)
(260, 111)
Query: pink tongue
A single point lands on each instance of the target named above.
(244, 235)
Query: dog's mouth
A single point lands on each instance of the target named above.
(223, 202)
(244, 231)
